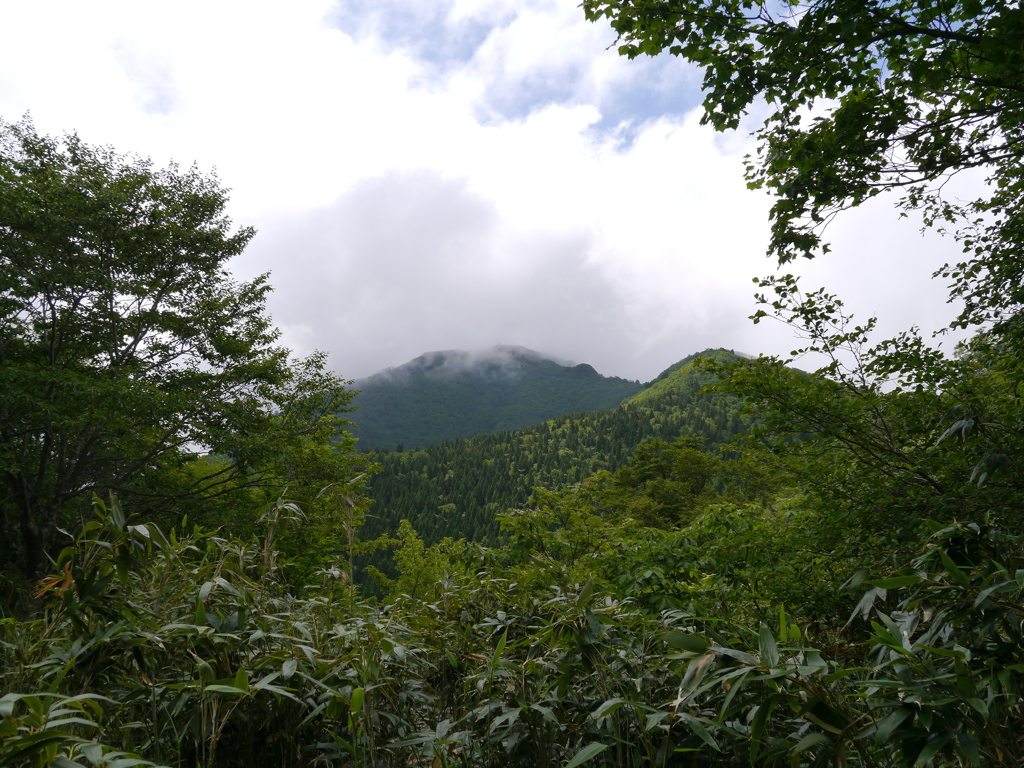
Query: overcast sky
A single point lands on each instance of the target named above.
(452, 174)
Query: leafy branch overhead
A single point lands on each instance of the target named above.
(864, 98)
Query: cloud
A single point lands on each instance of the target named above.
(413, 261)
(501, 361)
(449, 174)
(550, 238)
(153, 75)
(432, 32)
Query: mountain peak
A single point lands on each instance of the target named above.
(501, 360)
(454, 393)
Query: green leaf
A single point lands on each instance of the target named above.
(758, 726)
(795, 635)
(698, 727)
(288, 668)
(356, 702)
(127, 762)
(933, 744)
(890, 722)
(200, 617)
(896, 582)
(810, 740)
(734, 688)
(65, 556)
(607, 708)
(7, 703)
(585, 594)
(953, 570)
(500, 649)
(228, 689)
(117, 513)
(343, 744)
(695, 671)
(686, 641)
(979, 706)
(1006, 586)
(969, 747)
(768, 647)
(589, 751)
(92, 752)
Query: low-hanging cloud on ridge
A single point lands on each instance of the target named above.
(506, 178)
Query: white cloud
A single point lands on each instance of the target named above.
(152, 74)
(449, 173)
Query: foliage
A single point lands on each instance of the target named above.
(126, 349)
(846, 591)
(892, 444)
(900, 436)
(731, 560)
(862, 98)
(188, 650)
(662, 484)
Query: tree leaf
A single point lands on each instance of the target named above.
(810, 740)
(356, 702)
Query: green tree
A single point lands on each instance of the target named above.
(903, 95)
(664, 483)
(865, 98)
(126, 350)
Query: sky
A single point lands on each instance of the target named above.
(454, 174)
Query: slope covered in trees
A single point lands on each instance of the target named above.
(866, 613)
(446, 395)
(458, 487)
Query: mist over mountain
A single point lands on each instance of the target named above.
(500, 361)
(449, 394)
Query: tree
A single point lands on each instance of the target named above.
(663, 484)
(127, 352)
(866, 97)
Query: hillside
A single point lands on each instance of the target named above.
(446, 395)
(457, 487)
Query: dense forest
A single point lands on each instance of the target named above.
(185, 520)
(456, 489)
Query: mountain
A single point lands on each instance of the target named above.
(457, 487)
(451, 394)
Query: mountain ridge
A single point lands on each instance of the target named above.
(505, 358)
(450, 394)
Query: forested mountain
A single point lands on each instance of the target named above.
(848, 593)
(457, 487)
(451, 394)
